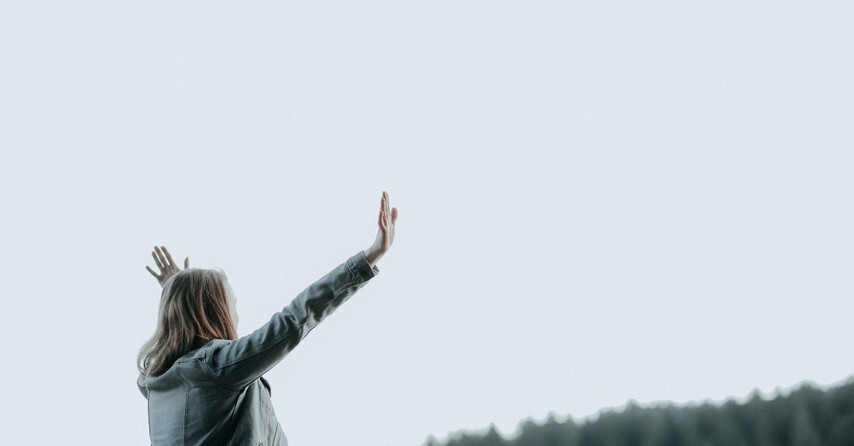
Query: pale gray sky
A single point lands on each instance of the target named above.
(599, 201)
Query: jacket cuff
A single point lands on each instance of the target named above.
(360, 268)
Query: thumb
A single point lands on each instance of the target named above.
(186, 263)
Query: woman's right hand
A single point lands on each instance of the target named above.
(385, 234)
(164, 262)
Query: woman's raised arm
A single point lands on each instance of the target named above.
(235, 364)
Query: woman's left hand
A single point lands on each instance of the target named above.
(164, 262)
(385, 234)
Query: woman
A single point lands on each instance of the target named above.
(204, 385)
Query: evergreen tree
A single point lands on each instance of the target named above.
(493, 438)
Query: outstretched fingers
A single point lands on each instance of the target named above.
(157, 260)
(156, 276)
(167, 265)
(388, 214)
(169, 262)
(385, 198)
(383, 217)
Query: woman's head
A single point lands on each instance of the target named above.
(196, 306)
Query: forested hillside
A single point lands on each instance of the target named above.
(807, 416)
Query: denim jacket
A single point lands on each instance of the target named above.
(216, 394)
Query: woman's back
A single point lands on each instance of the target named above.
(193, 408)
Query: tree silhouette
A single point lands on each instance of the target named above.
(806, 417)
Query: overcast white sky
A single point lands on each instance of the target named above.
(599, 201)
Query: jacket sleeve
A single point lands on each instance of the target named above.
(235, 364)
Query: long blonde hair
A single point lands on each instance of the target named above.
(193, 311)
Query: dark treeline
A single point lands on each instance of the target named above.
(807, 416)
